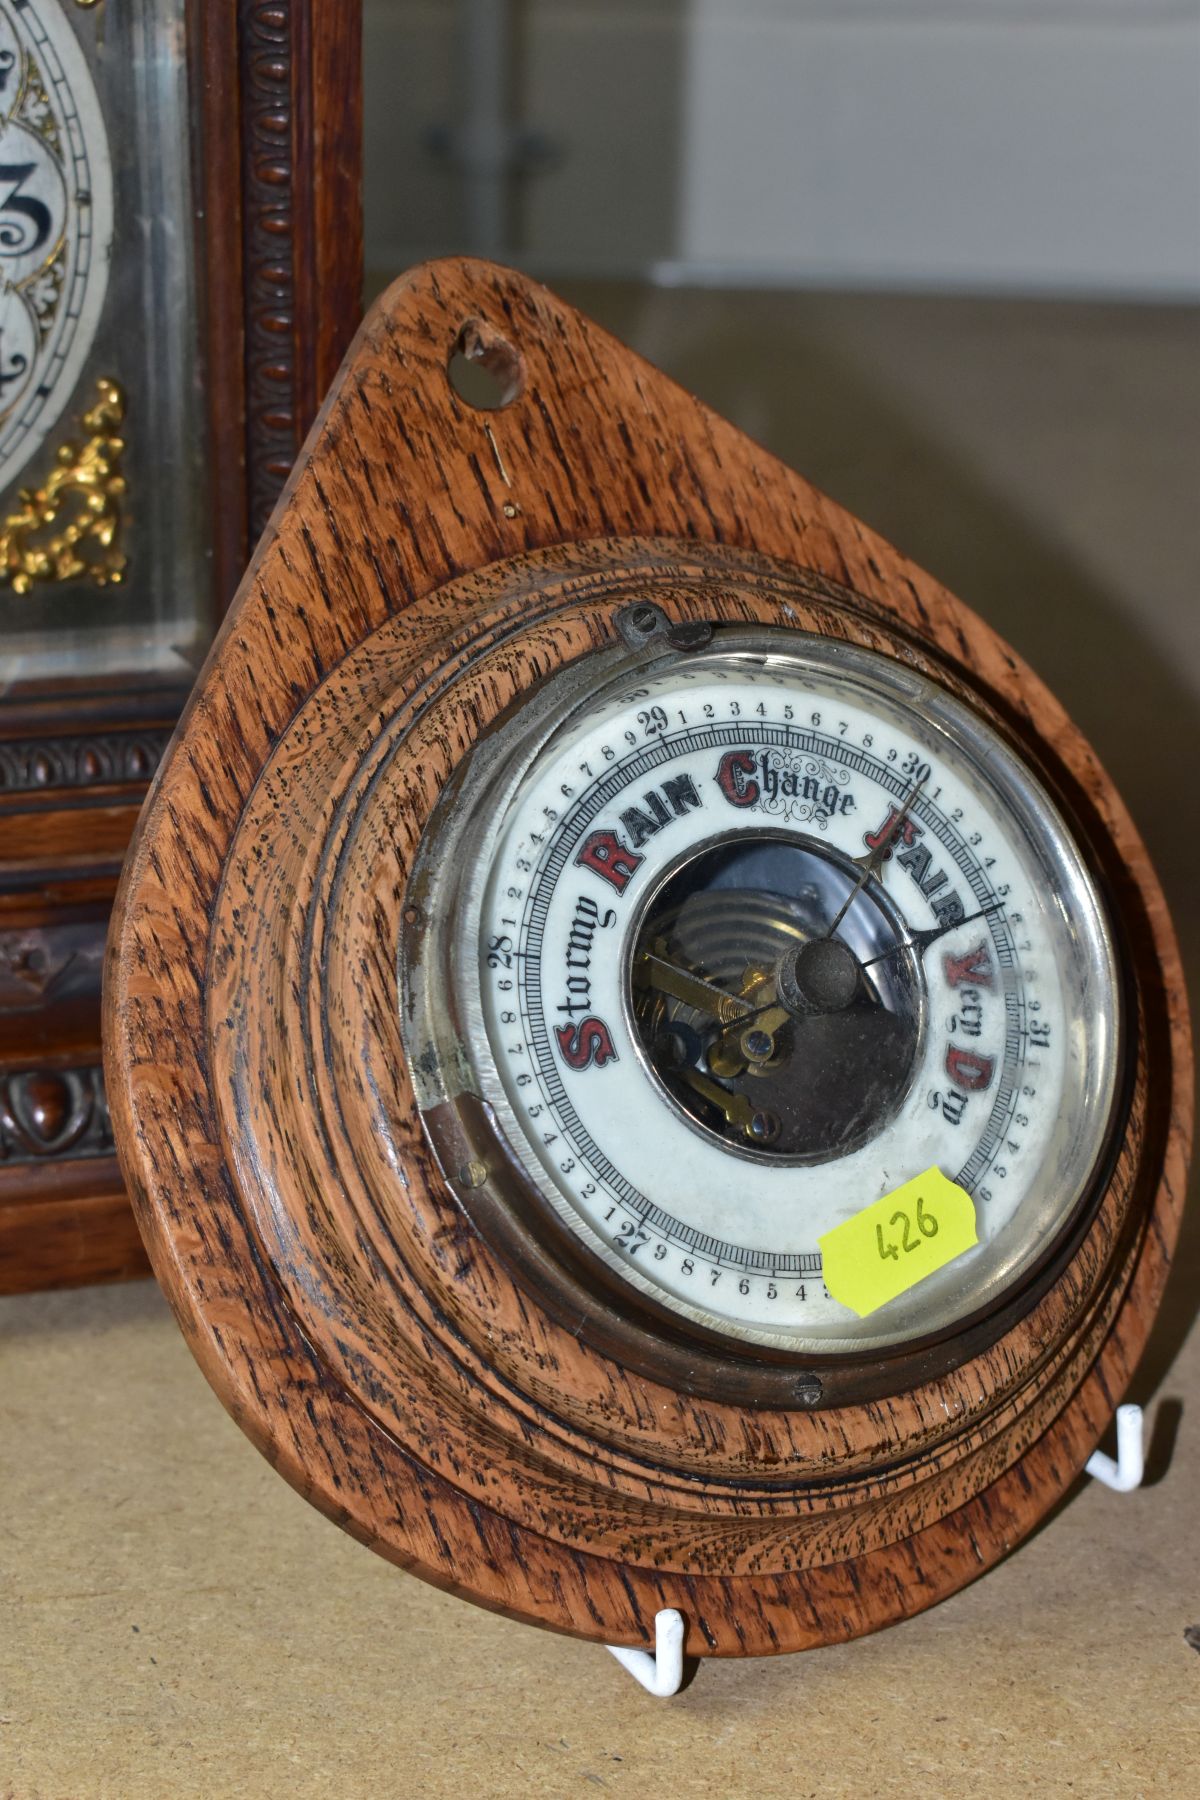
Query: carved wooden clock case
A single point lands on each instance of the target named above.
(593, 871)
(180, 272)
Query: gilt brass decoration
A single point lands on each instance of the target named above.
(69, 528)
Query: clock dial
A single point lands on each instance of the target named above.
(761, 932)
(56, 220)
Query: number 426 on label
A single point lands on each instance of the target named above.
(896, 1242)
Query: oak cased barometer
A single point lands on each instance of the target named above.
(648, 1053)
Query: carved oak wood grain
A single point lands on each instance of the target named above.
(342, 1298)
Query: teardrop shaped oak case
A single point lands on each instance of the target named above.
(358, 1250)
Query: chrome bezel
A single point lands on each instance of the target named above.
(443, 1013)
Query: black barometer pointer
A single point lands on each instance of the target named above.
(921, 940)
(873, 862)
(822, 974)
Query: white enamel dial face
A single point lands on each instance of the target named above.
(763, 935)
(56, 221)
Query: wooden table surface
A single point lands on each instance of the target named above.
(175, 1621)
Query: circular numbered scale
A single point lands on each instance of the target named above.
(761, 933)
(648, 1054)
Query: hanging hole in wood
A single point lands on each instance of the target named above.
(484, 369)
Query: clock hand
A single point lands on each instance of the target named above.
(921, 940)
(693, 990)
(874, 861)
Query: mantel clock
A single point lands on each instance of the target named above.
(180, 270)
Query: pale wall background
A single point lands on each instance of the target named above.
(974, 231)
(1037, 146)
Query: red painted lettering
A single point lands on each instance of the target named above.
(972, 970)
(585, 1045)
(605, 854)
(907, 834)
(733, 778)
(968, 1070)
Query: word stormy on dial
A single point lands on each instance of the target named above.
(584, 1042)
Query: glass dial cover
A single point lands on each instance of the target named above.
(749, 937)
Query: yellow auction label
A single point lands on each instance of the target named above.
(896, 1242)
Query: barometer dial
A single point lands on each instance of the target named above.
(762, 932)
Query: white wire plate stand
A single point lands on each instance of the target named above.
(660, 1671)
